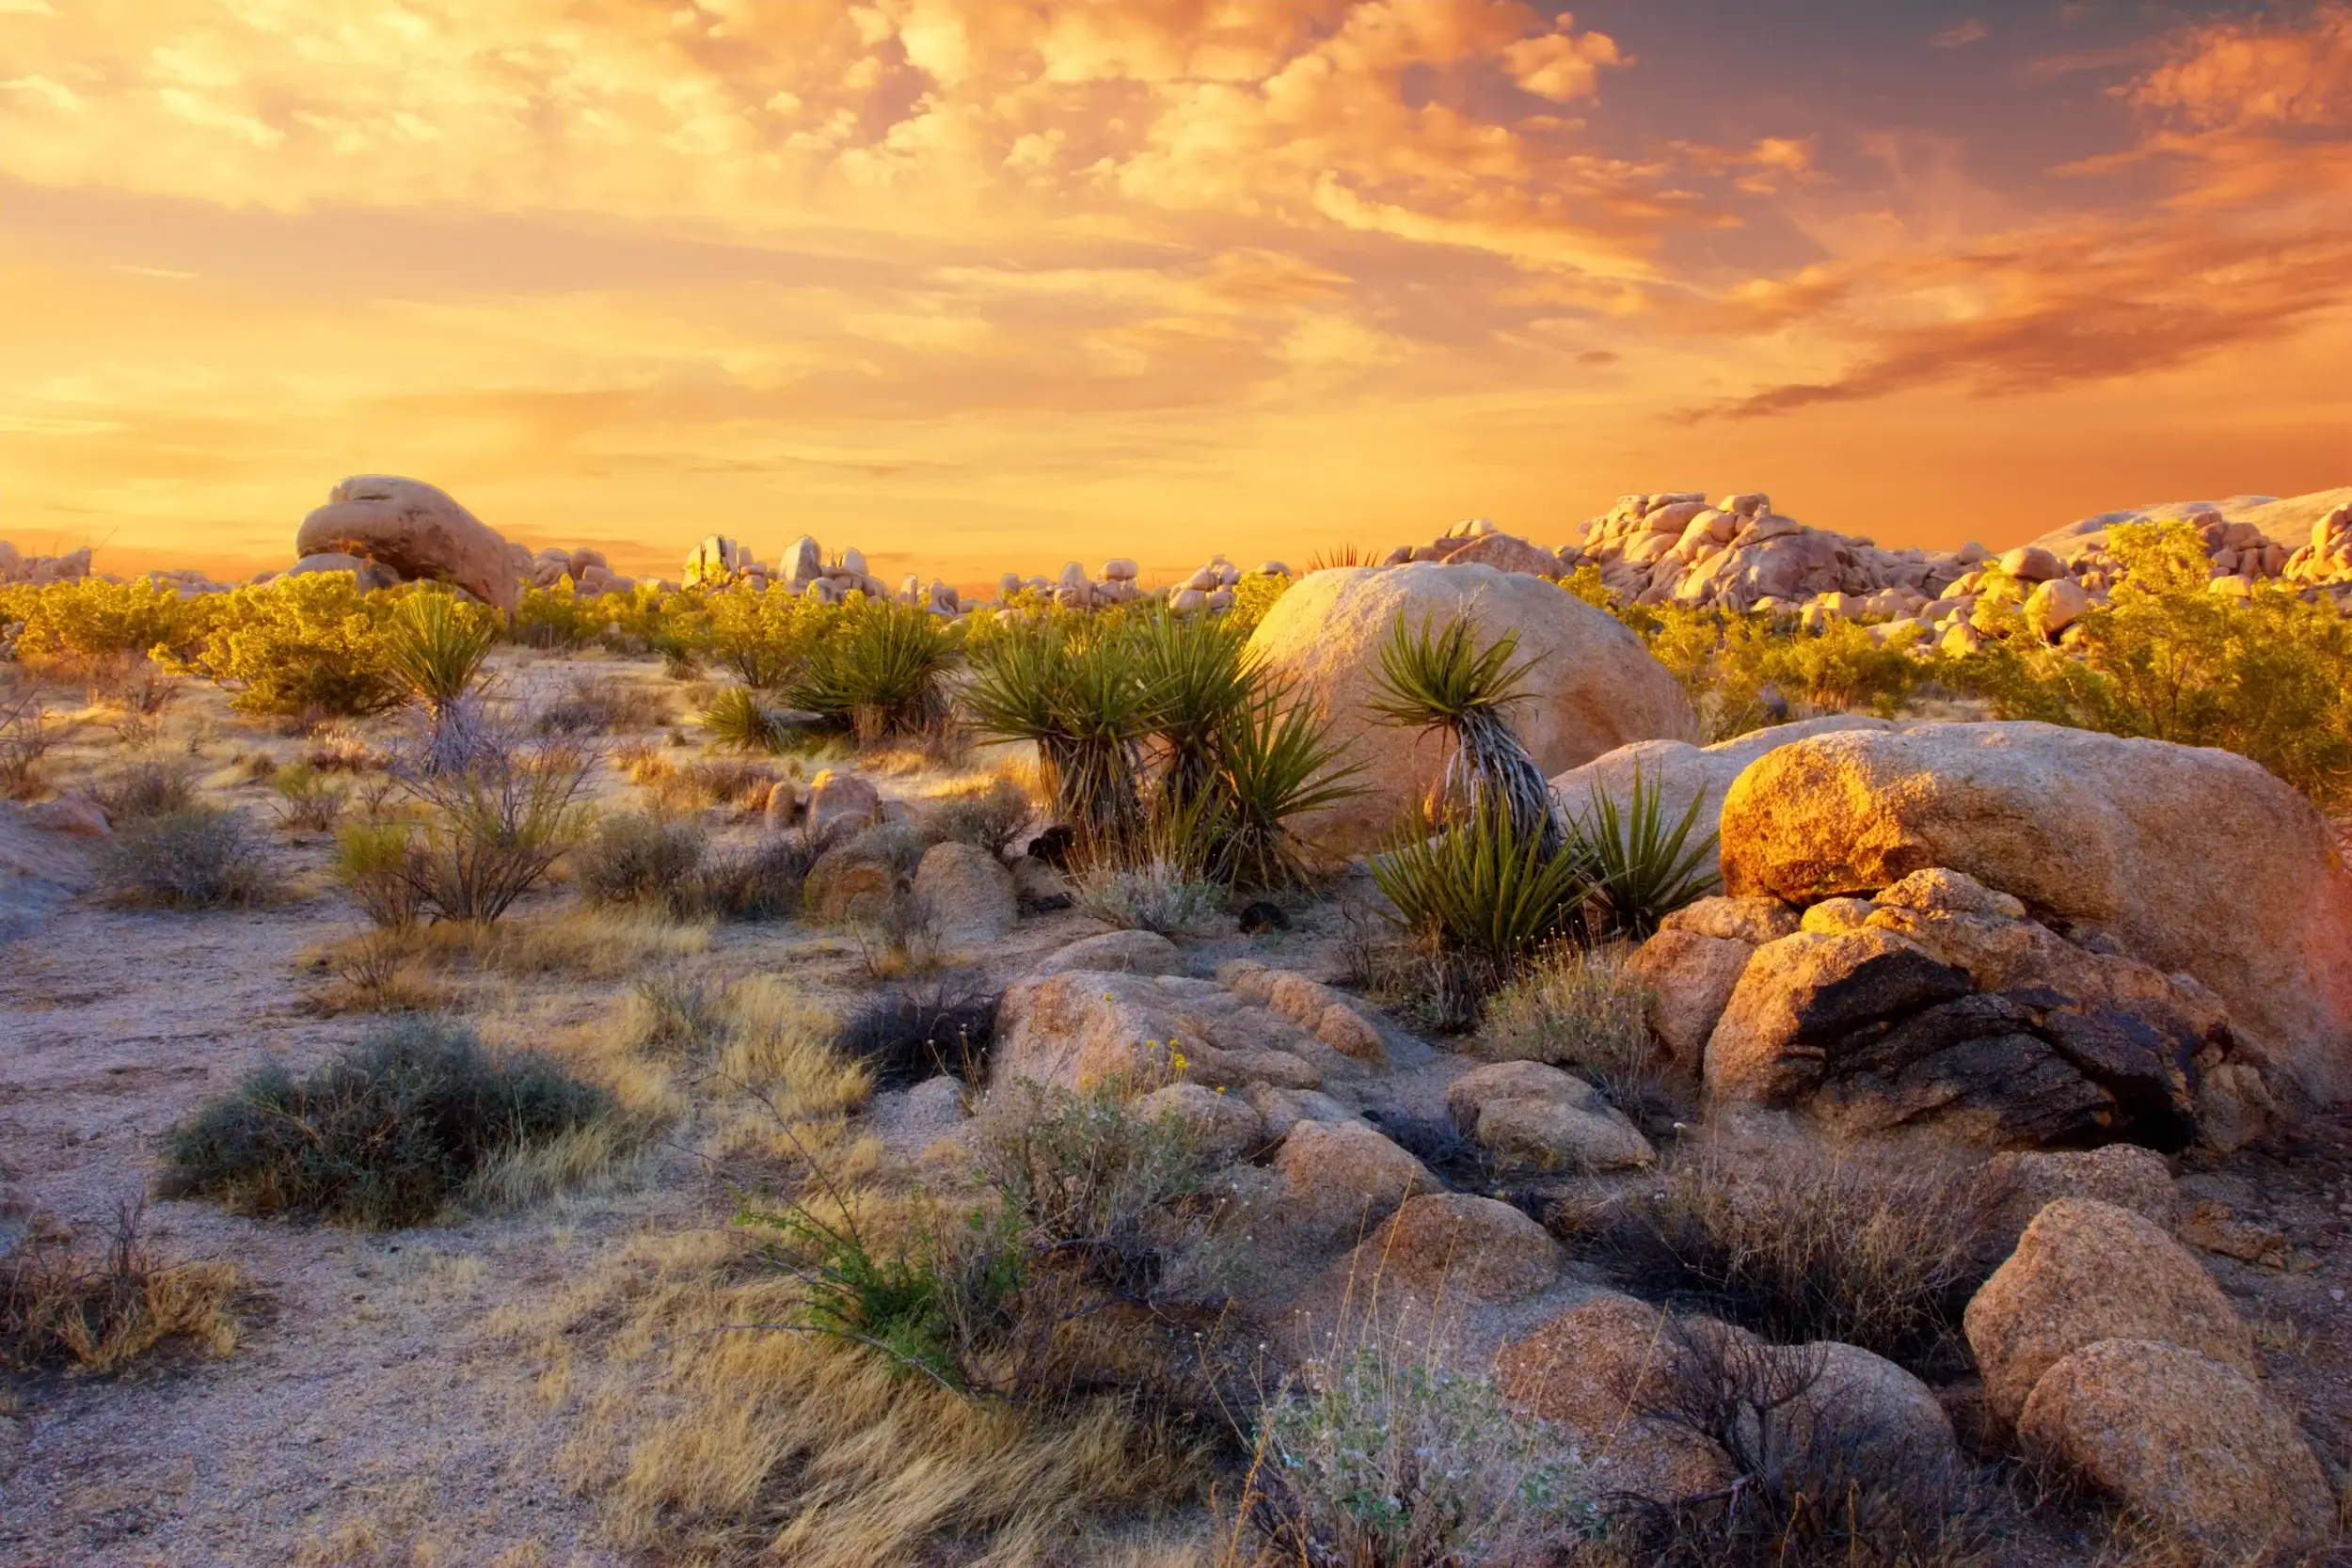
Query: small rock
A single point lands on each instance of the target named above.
(1229, 1127)
(842, 797)
(1527, 1114)
(1114, 952)
(1344, 1178)
(1467, 1248)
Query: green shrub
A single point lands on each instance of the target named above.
(879, 668)
(384, 1136)
(309, 799)
(1084, 705)
(309, 644)
(2269, 677)
(1394, 1460)
(372, 860)
(1725, 661)
(1481, 897)
(197, 857)
(1278, 763)
(1642, 867)
(491, 824)
(765, 636)
(632, 857)
(1253, 595)
(738, 721)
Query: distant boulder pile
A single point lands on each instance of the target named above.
(17, 567)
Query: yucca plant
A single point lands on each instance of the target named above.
(1643, 867)
(1086, 709)
(1278, 763)
(1200, 680)
(435, 646)
(1481, 896)
(1442, 680)
(736, 721)
(883, 671)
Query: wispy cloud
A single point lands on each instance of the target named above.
(1971, 31)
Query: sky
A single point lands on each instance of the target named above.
(989, 284)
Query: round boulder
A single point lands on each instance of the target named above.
(417, 530)
(1474, 1249)
(1594, 688)
(968, 893)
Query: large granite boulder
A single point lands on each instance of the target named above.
(2189, 859)
(418, 531)
(1595, 687)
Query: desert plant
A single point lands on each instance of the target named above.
(1084, 706)
(309, 644)
(59, 1307)
(763, 882)
(1153, 894)
(737, 720)
(373, 860)
(1803, 1241)
(1642, 867)
(676, 1010)
(900, 937)
(764, 637)
(989, 817)
(382, 1135)
(199, 857)
(1580, 1008)
(492, 825)
(1442, 680)
(1253, 595)
(906, 1036)
(881, 670)
(1278, 763)
(79, 628)
(382, 971)
(1481, 896)
(434, 646)
(24, 740)
(631, 857)
(1199, 679)
(1392, 1458)
(593, 704)
(309, 800)
(144, 787)
(141, 693)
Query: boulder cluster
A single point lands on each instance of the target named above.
(17, 567)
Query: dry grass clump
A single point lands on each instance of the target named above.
(1153, 894)
(596, 705)
(384, 1136)
(309, 799)
(793, 1090)
(200, 857)
(1821, 1484)
(1580, 1008)
(673, 789)
(1801, 1241)
(990, 814)
(146, 787)
(60, 1307)
(632, 857)
(386, 971)
(905, 1036)
(592, 943)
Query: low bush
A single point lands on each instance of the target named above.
(1393, 1459)
(58, 1306)
(990, 816)
(200, 856)
(906, 1036)
(383, 1136)
(306, 645)
(24, 740)
(742, 786)
(678, 1011)
(1729, 665)
(309, 800)
(373, 862)
(596, 705)
(631, 857)
(146, 787)
(1156, 895)
(384, 970)
(879, 668)
(762, 882)
(1818, 1483)
(491, 825)
(81, 628)
(737, 719)
(1803, 1241)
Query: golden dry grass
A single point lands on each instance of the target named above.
(708, 1438)
(60, 1304)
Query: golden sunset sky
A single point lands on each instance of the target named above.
(977, 284)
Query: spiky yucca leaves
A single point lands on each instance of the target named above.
(1279, 763)
(1085, 708)
(883, 669)
(1443, 680)
(1200, 678)
(1481, 896)
(1644, 867)
(435, 645)
(737, 721)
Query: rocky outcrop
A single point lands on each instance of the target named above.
(2083, 1272)
(415, 530)
(2187, 1441)
(1599, 687)
(40, 870)
(2105, 836)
